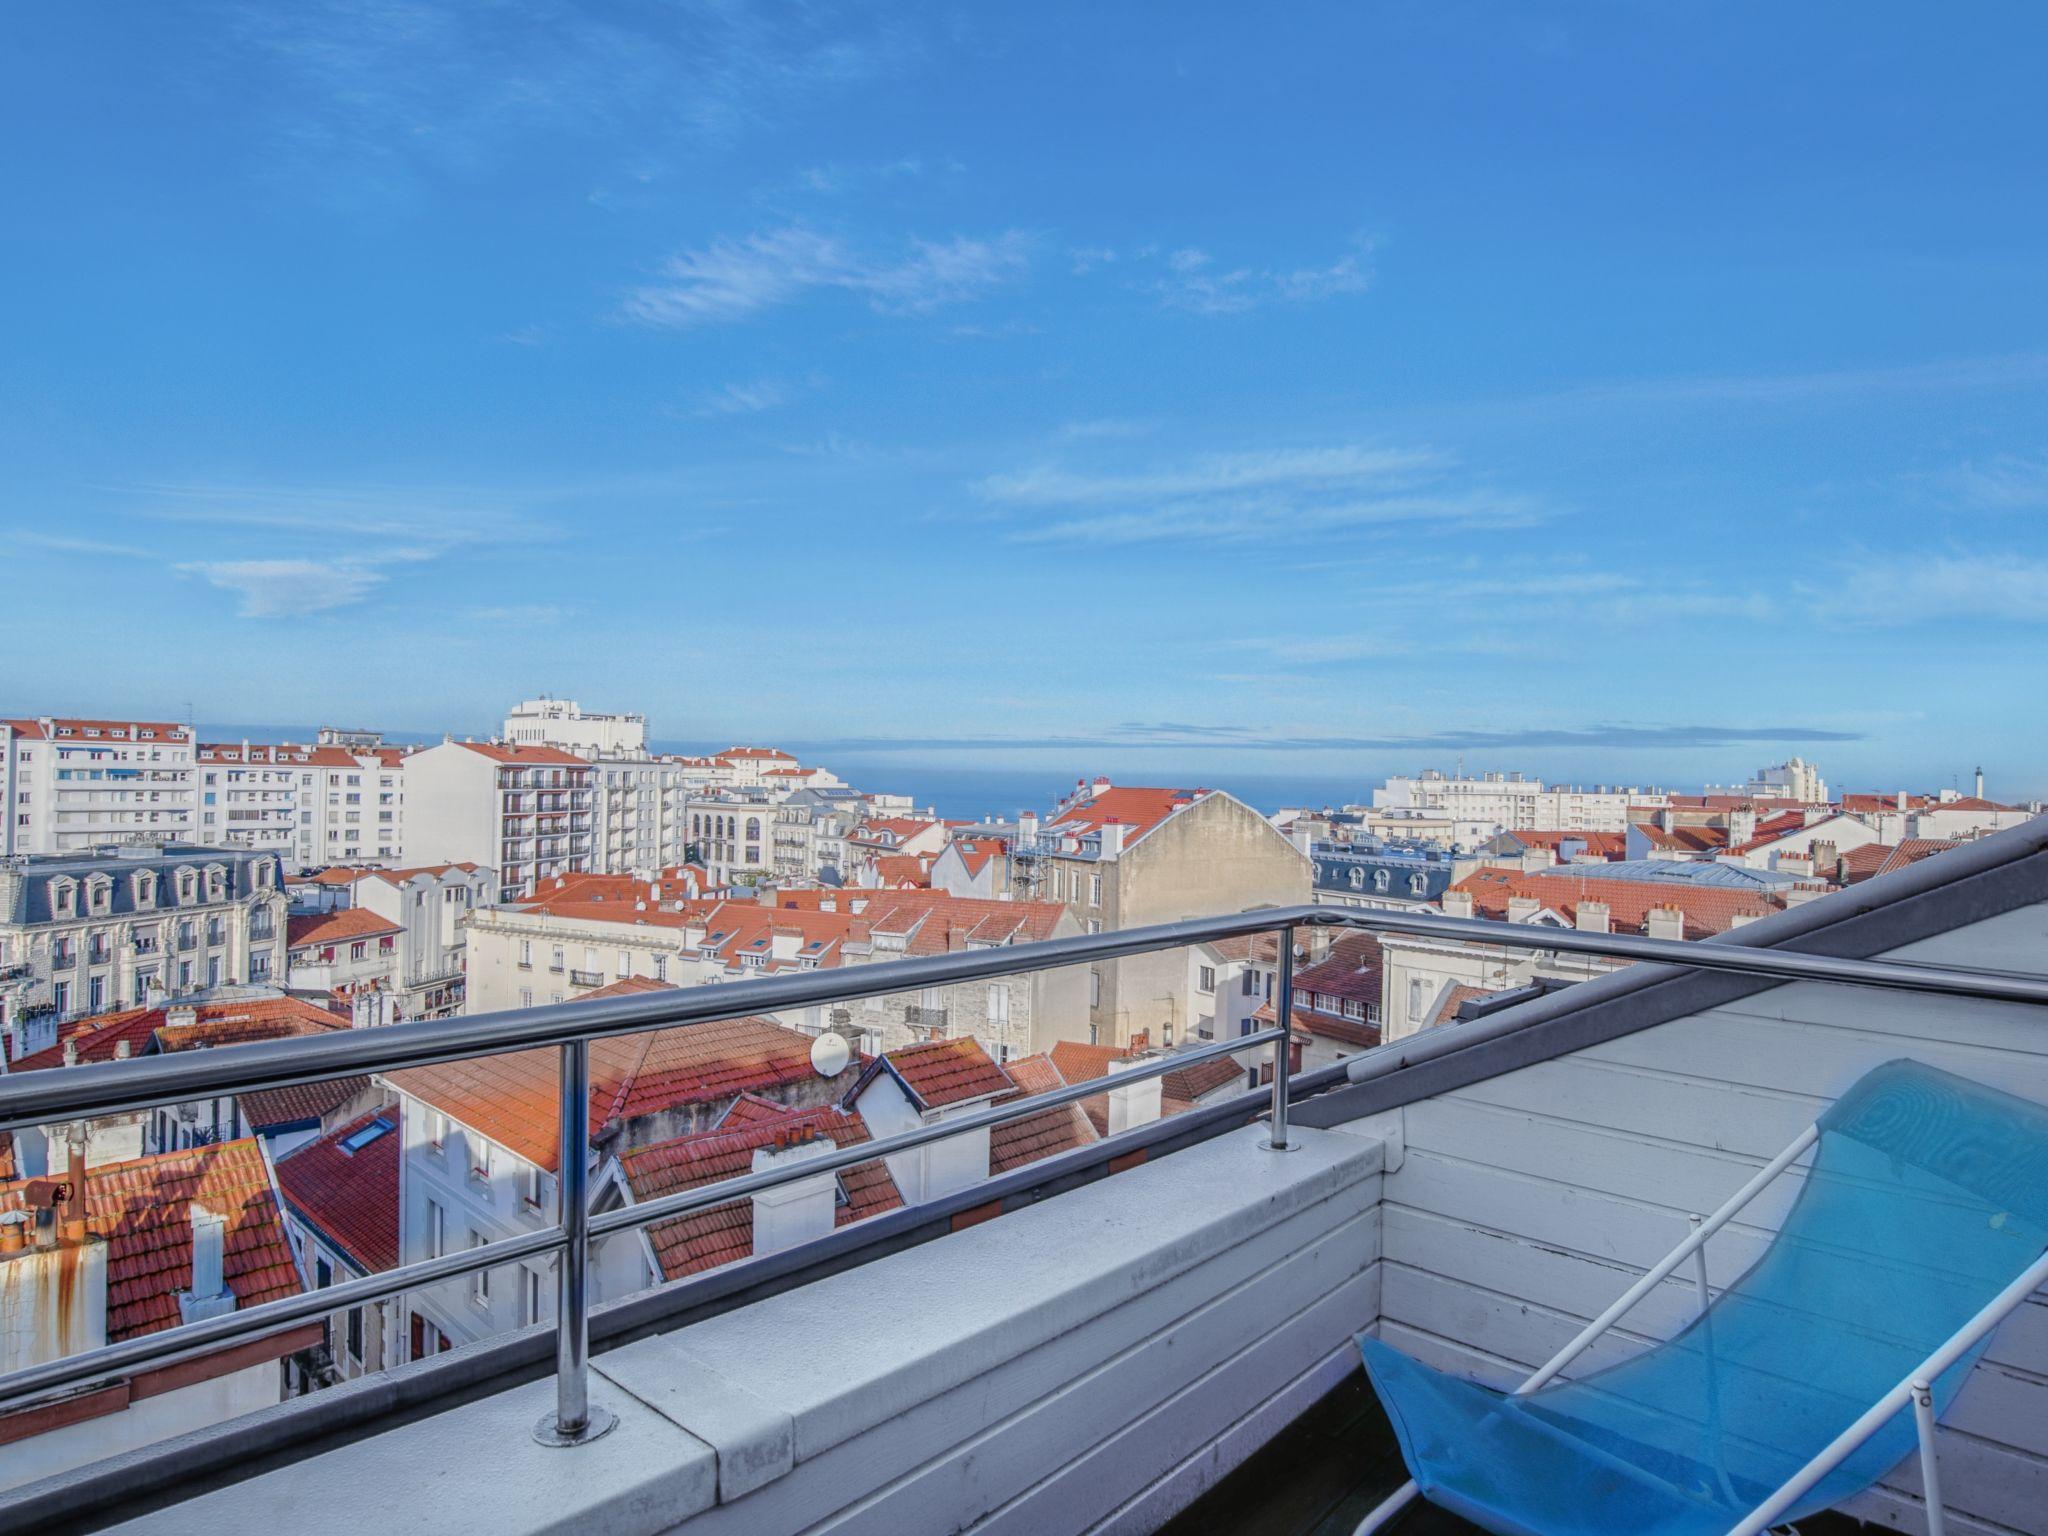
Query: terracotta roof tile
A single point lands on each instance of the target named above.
(721, 1234)
(336, 927)
(943, 1072)
(350, 1194)
(142, 1210)
(270, 1109)
(512, 1099)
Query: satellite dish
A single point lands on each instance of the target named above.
(829, 1054)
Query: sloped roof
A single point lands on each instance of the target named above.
(942, 1072)
(99, 1038)
(721, 1234)
(1352, 969)
(1454, 995)
(512, 1099)
(1707, 910)
(142, 1209)
(336, 927)
(269, 1109)
(1139, 810)
(1048, 1133)
(350, 1196)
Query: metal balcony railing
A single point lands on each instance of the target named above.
(117, 1087)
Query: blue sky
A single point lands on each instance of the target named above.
(1616, 390)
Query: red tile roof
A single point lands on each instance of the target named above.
(504, 752)
(752, 1109)
(1600, 845)
(1874, 859)
(99, 1038)
(112, 729)
(1707, 909)
(1035, 1074)
(350, 1197)
(943, 1072)
(705, 1239)
(1684, 839)
(270, 1109)
(1455, 995)
(904, 869)
(1046, 1134)
(1139, 810)
(1190, 1085)
(271, 1018)
(1078, 1063)
(512, 1100)
(142, 1210)
(336, 927)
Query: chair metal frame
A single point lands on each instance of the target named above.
(1916, 1388)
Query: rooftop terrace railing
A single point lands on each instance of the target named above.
(111, 1088)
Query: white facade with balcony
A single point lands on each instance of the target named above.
(525, 812)
(70, 785)
(564, 723)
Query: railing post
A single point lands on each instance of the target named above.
(1930, 1466)
(574, 1421)
(1283, 1048)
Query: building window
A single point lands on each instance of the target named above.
(1206, 978)
(1095, 989)
(437, 1230)
(1095, 890)
(529, 1297)
(437, 1130)
(323, 1274)
(526, 954)
(530, 1187)
(479, 1280)
(480, 1162)
(355, 1334)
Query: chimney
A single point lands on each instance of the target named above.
(71, 1207)
(1593, 917)
(1665, 923)
(799, 1211)
(1112, 834)
(1457, 903)
(1523, 909)
(1899, 800)
(208, 1295)
(1741, 825)
(181, 1017)
(1133, 1104)
(71, 1051)
(1979, 790)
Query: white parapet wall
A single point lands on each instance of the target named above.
(1089, 1364)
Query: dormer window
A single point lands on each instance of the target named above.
(188, 885)
(64, 897)
(216, 882)
(99, 894)
(145, 888)
(1381, 880)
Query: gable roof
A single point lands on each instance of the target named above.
(938, 1073)
(721, 1234)
(100, 1037)
(143, 1210)
(1706, 909)
(350, 1196)
(275, 1109)
(339, 927)
(503, 752)
(512, 1099)
(1139, 810)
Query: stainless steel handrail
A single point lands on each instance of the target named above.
(143, 1082)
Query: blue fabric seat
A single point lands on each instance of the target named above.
(1927, 1196)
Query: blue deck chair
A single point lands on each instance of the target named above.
(1922, 1223)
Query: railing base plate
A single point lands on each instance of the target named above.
(602, 1421)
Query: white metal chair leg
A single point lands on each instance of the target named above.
(1930, 1468)
(1389, 1507)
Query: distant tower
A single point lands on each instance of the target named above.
(1980, 783)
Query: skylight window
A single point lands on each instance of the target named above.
(352, 1144)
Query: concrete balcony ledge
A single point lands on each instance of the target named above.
(1079, 1364)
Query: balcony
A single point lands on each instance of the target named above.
(586, 978)
(1108, 1349)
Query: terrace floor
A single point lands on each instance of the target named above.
(1331, 1467)
(1318, 1477)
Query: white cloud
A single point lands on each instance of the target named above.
(274, 589)
(744, 399)
(1194, 283)
(733, 279)
(1920, 589)
(60, 544)
(1342, 465)
(2004, 484)
(1243, 498)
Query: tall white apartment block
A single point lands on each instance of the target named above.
(641, 826)
(527, 812)
(564, 723)
(1508, 802)
(1793, 779)
(68, 785)
(316, 805)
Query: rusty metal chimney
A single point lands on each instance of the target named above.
(71, 1205)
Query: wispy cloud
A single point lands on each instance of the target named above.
(521, 614)
(2008, 483)
(1940, 376)
(61, 544)
(743, 399)
(732, 279)
(1241, 498)
(1895, 592)
(1107, 427)
(275, 589)
(1193, 281)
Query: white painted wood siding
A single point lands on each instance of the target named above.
(1525, 1204)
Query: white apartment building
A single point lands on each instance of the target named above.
(90, 933)
(641, 824)
(1793, 779)
(68, 785)
(728, 832)
(527, 812)
(563, 723)
(1492, 803)
(316, 805)
(431, 908)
